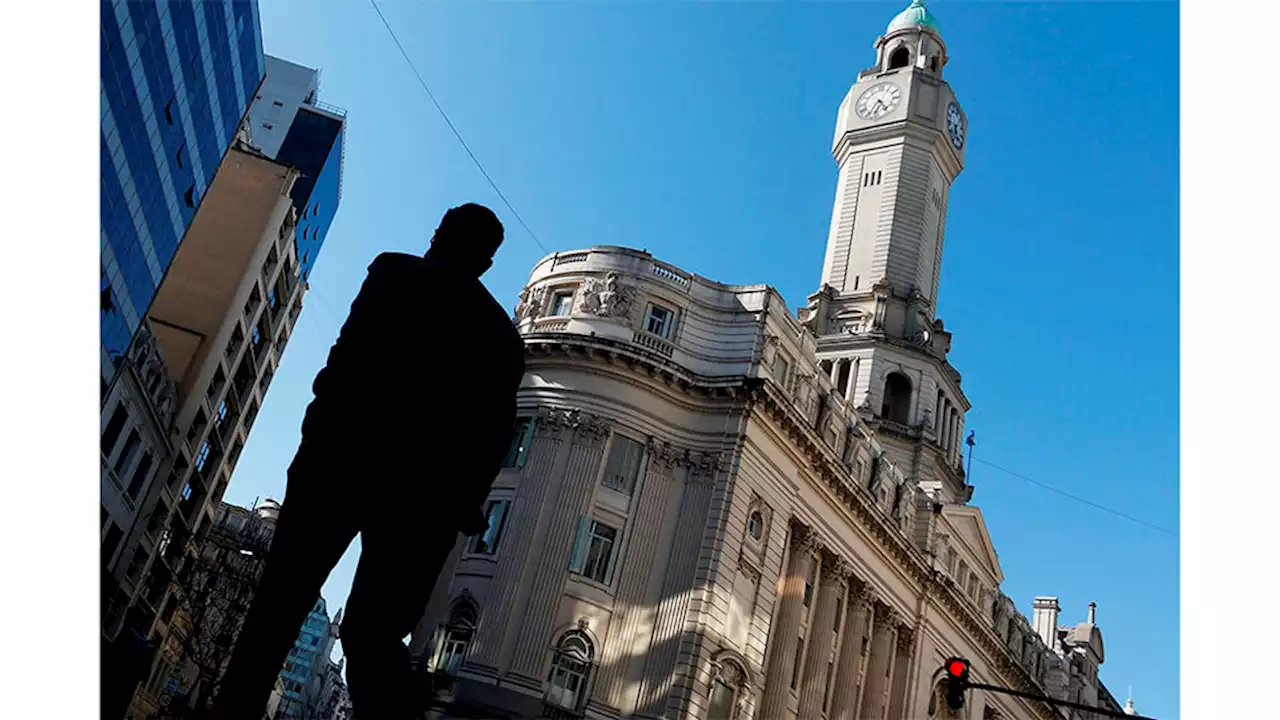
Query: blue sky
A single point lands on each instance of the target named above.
(701, 132)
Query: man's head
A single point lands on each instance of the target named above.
(468, 237)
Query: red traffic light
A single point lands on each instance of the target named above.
(957, 668)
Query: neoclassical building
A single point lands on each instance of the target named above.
(716, 508)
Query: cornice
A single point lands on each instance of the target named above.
(837, 479)
(574, 346)
(835, 342)
(959, 609)
(901, 130)
(766, 397)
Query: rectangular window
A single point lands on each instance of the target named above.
(562, 303)
(623, 466)
(140, 475)
(519, 448)
(795, 669)
(109, 543)
(809, 581)
(658, 321)
(826, 691)
(595, 551)
(126, 455)
(202, 456)
(115, 425)
(487, 544)
(781, 370)
(722, 701)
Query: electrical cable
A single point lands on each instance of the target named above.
(1077, 498)
(454, 128)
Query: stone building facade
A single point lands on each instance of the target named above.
(716, 508)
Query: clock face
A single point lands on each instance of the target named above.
(878, 101)
(955, 125)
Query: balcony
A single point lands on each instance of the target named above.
(654, 343)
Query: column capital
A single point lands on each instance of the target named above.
(593, 427)
(863, 596)
(837, 569)
(804, 539)
(888, 617)
(906, 638)
(662, 452)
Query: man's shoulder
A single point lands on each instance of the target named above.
(396, 260)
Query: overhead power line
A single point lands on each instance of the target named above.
(534, 237)
(454, 128)
(1077, 498)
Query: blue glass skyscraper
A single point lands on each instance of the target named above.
(177, 77)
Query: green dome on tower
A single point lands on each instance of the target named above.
(915, 16)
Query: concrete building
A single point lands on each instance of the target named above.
(334, 702)
(715, 508)
(291, 125)
(221, 320)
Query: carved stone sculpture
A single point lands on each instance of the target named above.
(609, 298)
(531, 304)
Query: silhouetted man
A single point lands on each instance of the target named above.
(412, 416)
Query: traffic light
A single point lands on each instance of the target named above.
(957, 682)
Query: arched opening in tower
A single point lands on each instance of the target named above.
(899, 58)
(896, 406)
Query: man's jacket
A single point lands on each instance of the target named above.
(420, 386)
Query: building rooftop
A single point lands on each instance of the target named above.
(915, 16)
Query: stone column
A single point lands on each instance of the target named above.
(901, 667)
(629, 610)
(662, 657)
(499, 617)
(785, 632)
(570, 503)
(854, 369)
(850, 666)
(817, 652)
(883, 649)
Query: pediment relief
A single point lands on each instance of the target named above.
(970, 530)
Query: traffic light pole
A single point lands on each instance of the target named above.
(1053, 701)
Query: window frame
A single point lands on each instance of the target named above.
(629, 472)
(582, 551)
(752, 516)
(566, 663)
(670, 321)
(558, 295)
(492, 535)
(518, 451)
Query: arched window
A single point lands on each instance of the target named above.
(457, 637)
(570, 670)
(724, 691)
(755, 525)
(899, 58)
(935, 63)
(897, 398)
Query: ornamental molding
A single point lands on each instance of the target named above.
(863, 596)
(830, 472)
(804, 540)
(662, 453)
(707, 463)
(532, 304)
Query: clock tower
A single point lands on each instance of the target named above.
(899, 143)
